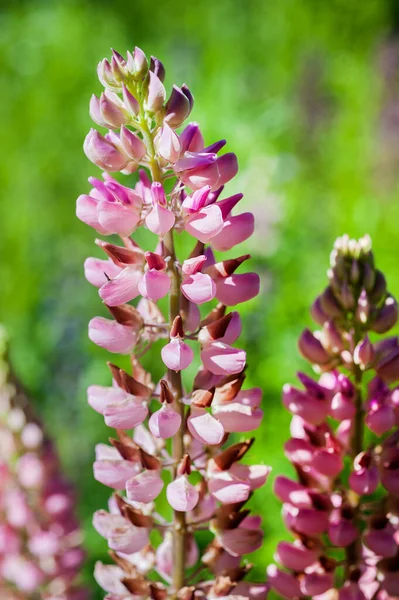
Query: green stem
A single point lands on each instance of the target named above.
(353, 552)
(179, 520)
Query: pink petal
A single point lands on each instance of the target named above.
(193, 265)
(103, 153)
(177, 355)
(167, 143)
(112, 336)
(239, 288)
(196, 201)
(235, 231)
(125, 414)
(114, 217)
(86, 211)
(241, 541)
(154, 285)
(192, 317)
(104, 452)
(109, 578)
(251, 397)
(295, 556)
(99, 396)
(181, 495)
(164, 423)
(115, 473)
(252, 591)
(30, 470)
(284, 583)
(156, 93)
(258, 475)
(228, 489)
(122, 536)
(160, 220)
(204, 427)
(98, 272)
(314, 584)
(198, 288)
(236, 417)
(123, 288)
(205, 224)
(144, 487)
(221, 359)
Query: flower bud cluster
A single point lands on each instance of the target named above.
(172, 441)
(343, 510)
(40, 541)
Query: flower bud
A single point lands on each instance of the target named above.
(133, 146)
(130, 102)
(157, 67)
(178, 107)
(386, 316)
(156, 93)
(312, 349)
(103, 152)
(364, 354)
(138, 63)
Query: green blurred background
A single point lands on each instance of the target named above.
(307, 94)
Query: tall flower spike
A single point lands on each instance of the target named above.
(343, 510)
(40, 541)
(182, 447)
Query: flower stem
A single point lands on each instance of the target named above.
(175, 380)
(353, 552)
(180, 528)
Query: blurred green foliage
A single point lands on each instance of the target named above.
(306, 93)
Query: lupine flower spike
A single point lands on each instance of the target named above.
(343, 509)
(180, 449)
(40, 541)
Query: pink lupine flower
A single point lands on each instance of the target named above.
(181, 494)
(160, 219)
(112, 470)
(337, 469)
(190, 430)
(144, 487)
(110, 207)
(98, 271)
(120, 533)
(168, 144)
(202, 221)
(112, 336)
(155, 283)
(38, 530)
(122, 288)
(237, 288)
(204, 427)
(197, 287)
(177, 355)
(166, 422)
(197, 169)
(222, 359)
(103, 153)
(178, 106)
(296, 556)
(364, 478)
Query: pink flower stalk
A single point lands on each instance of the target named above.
(179, 449)
(344, 509)
(40, 541)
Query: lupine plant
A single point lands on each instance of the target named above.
(172, 464)
(343, 509)
(40, 541)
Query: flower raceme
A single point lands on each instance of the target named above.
(343, 510)
(40, 552)
(179, 449)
